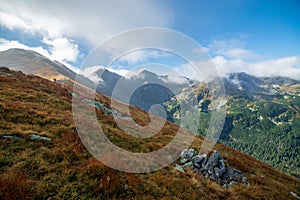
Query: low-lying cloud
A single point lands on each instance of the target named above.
(286, 66)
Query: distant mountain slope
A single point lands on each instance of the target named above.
(144, 97)
(31, 62)
(34, 63)
(262, 117)
(42, 157)
(148, 88)
(242, 84)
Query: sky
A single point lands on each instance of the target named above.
(260, 37)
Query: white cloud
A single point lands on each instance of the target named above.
(239, 53)
(187, 70)
(231, 55)
(7, 44)
(177, 79)
(92, 21)
(63, 25)
(286, 66)
(61, 50)
(134, 57)
(88, 71)
(229, 65)
(232, 48)
(142, 56)
(122, 72)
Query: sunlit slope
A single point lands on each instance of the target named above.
(42, 157)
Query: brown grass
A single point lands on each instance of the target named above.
(15, 185)
(63, 169)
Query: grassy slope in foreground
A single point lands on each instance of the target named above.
(62, 168)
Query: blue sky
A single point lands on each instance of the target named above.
(260, 37)
(272, 27)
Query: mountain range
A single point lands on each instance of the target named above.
(157, 89)
(147, 88)
(262, 117)
(43, 157)
(31, 62)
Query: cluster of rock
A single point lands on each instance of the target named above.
(212, 167)
(107, 111)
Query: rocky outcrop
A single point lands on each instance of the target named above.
(212, 167)
(107, 111)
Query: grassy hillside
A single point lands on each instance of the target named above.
(42, 157)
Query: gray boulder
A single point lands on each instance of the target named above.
(213, 167)
(200, 161)
(213, 161)
(187, 155)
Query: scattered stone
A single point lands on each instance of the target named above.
(74, 94)
(187, 165)
(295, 195)
(199, 161)
(187, 155)
(107, 111)
(179, 168)
(38, 137)
(11, 137)
(213, 168)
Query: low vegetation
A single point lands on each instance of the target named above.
(61, 168)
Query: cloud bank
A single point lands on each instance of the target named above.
(232, 55)
(64, 25)
(65, 28)
(92, 21)
(286, 66)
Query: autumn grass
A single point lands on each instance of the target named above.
(63, 169)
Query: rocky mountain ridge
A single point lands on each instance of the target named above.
(258, 109)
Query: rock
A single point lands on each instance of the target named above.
(295, 195)
(183, 160)
(210, 171)
(106, 110)
(233, 183)
(74, 94)
(218, 172)
(213, 160)
(199, 161)
(188, 164)
(222, 168)
(213, 168)
(232, 175)
(213, 177)
(38, 137)
(225, 185)
(187, 155)
(179, 168)
(11, 137)
(244, 180)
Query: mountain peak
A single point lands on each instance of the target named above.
(145, 74)
(23, 52)
(31, 62)
(145, 71)
(280, 80)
